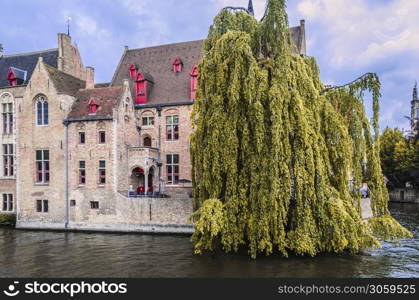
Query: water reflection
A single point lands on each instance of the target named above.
(58, 254)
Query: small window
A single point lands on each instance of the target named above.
(82, 172)
(147, 141)
(7, 202)
(94, 204)
(148, 121)
(72, 202)
(82, 138)
(102, 137)
(102, 172)
(42, 206)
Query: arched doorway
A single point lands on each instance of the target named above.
(137, 179)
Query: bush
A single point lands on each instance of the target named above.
(7, 219)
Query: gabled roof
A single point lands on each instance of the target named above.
(65, 83)
(107, 98)
(156, 62)
(170, 87)
(25, 62)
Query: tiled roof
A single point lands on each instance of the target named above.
(25, 62)
(106, 98)
(170, 87)
(101, 85)
(65, 83)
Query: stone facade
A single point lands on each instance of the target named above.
(404, 195)
(109, 157)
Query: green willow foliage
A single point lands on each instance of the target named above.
(272, 155)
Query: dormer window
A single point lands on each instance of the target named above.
(92, 106)
(132, 71)
(177, 65)
(194, 81)
(11, 77)
(142, 86)
(16, 76)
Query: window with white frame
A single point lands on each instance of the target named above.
(172, 165)
(8, 160)
(7, 202)
(7, 116)
(42, 206)
(172, 127)
(6, 101)
(41, 107)
(148, 121)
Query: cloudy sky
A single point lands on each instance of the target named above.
(348, 38)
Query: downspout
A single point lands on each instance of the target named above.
(159, 164)
(66, 221)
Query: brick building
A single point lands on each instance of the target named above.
(82, 156)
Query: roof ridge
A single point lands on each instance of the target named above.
(165, 45)
(30, 53)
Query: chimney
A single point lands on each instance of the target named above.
(90, 78)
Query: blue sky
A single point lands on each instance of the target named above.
(348, 38)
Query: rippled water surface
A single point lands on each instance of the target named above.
(59, 254)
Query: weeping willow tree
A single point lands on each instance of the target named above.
(278, 159)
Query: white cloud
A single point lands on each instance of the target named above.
(258, 5)
(360, 33)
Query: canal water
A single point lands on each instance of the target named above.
(64, 254)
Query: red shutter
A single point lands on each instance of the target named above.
(141, 89)
(194, 81)
(177, 65)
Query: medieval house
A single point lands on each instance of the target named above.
(111, 156)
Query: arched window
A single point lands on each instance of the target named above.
(7, 113)
(41, 105)
(147, 141)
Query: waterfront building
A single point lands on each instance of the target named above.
(110, 156)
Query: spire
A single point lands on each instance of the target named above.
(250, 8)
(415, 91)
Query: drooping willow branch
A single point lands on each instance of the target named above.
(272, 156)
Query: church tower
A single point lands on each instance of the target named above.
(250, 9)
(415, 112)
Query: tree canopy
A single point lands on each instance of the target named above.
(277, 160)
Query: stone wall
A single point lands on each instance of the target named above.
(33, 137)
(8, 184)
(180, 146)
(122, 214)
(69, 59)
